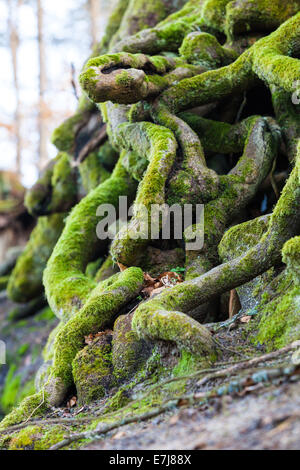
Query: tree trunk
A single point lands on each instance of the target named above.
(42, 125)
(94, 12)
(14, 44)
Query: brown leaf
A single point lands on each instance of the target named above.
(119, 434)
(147, 291)
(88, 339)
(72, 402)
(245, 319)
(122, 267)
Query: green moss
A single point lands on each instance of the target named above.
(291, 257)
(158, 145)
(280, 318)
(107, 269)
(63, 185)
(162, 318)
(107, 155)
(32, 405)
(14, 391)
(117, 401)
(25, 282)
(23, 349)
(204, 49)
(186, 364)
(66, 285)
(129, 352)
(11, 390)
(37, 438)
(45, 315)
(98, 312)
(92, 372)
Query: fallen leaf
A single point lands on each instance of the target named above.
(174, 420)
(122, 267)
(119, 434)
(88, 339)
(245, 319)
(157, 291)
(234, 303)
(149, 280)
(72, 402)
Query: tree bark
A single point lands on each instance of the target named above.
(94, 12)
(42, 124)
(14, 45)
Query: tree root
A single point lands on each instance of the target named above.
(195, 399)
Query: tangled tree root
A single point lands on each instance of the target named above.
(194, 63)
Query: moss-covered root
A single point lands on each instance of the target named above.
(245, 15)
(66, 284)
(121, 77)
(214, 16)
(204, 49)
(238, 187)
(31, 406)
(56, 190)
(64, 136)
(152, 321)
(270, 59)
(195, 174)
(103, 305)
(25, 282)
(92, 369)
(287, 115)
(291, 257)
(158, 145)
(185, 297)
(128, 351)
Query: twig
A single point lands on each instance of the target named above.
(225, 348)
(93, 143)
(44, 422)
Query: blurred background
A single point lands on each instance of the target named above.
(43, 45)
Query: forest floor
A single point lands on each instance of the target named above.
(240, 414)
(269, 419)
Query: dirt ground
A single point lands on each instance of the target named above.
(267, 419)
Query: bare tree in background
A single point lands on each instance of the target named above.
(94, 12)
(42, 124)
(13, 9)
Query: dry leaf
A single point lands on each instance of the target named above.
(88, 339)
(149, 280)
(234, 303)
(245, 319)
(119, 435)
(157, 291)
(122, 267)
(72, 402)
(174, 420)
